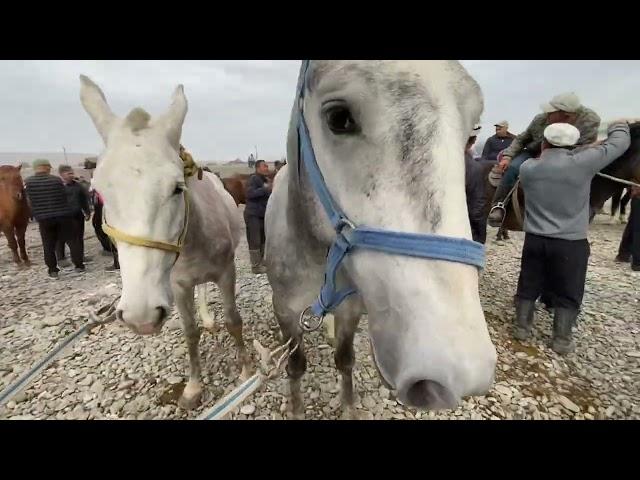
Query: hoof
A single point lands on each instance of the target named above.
(245, 374)
(191, 397)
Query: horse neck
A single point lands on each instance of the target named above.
(300, 210)
(9, 206)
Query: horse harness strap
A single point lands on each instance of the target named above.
(350, 237)
(190, 169)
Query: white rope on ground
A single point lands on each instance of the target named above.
(267, 371)
(268, 368)
(618, 180)
(26, 378)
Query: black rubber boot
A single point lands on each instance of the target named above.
(524, 319)
(496, 215)
(256, 262)
(563, 321)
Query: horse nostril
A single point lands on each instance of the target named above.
(430, 395)
(162, 314)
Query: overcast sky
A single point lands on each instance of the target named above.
(234, 105)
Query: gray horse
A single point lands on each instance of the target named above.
(389, 140)
(155, 211)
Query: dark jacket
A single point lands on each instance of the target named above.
(78, 198)
(257, 196)
(47, 196)
(475, 189)
(495, 145)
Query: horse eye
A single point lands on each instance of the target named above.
(340, 120)
(178, 190)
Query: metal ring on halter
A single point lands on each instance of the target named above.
(306, 325)
(499, 205)
(347, 222)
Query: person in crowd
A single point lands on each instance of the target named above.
(498, 142)
(563, 108)
(78, 198)
(556, 250)
(50, 207)
(257, 192)
(475, 190)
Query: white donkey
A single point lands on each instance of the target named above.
(174, 230)
(388, 139)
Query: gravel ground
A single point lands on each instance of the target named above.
(113, 374)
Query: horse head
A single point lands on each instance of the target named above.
(389, 139)
(11, 182)
(141, 179)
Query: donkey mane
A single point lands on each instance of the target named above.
(138, 119)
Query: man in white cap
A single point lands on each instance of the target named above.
(563, 108)
(556, 251)
(498, 142)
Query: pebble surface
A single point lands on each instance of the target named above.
(114, 374)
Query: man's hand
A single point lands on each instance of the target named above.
(635, 192)
(504, 163)
(268, 185)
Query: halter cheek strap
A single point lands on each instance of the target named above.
(190, 168)
(349, 236)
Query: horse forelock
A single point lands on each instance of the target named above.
(138, 119)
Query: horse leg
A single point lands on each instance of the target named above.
(193, 391)
(9, 232)
(346, 323)
(21, 243)
(232, 320)
(297, 363)
(208, 320)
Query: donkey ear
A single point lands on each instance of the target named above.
(173, 118)
(95, 104)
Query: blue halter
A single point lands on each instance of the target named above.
(349, 236)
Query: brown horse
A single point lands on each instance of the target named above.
(14, 211)
(626, 167)
(237, 184)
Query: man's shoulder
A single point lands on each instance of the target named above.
(43, 179)
(540, 118)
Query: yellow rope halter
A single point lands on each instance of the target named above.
(190, 169)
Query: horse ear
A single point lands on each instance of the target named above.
(95, 104)
(173, 118)
(20, 167)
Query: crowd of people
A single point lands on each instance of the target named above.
(61, 205)
(555, 158)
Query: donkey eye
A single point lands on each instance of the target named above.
(340, 120)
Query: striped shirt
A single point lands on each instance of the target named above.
(47, 196)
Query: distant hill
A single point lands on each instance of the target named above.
(56, 158)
